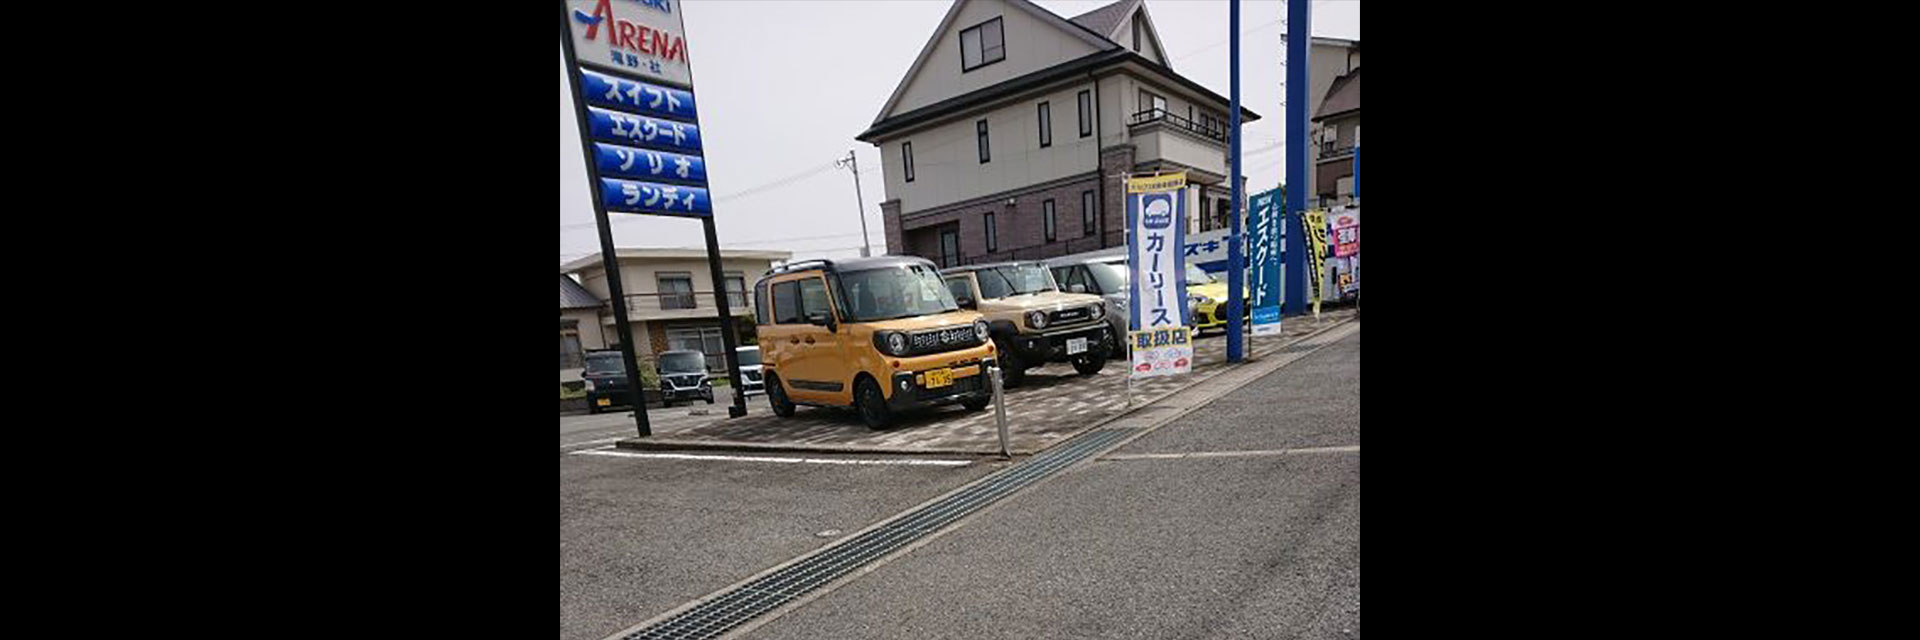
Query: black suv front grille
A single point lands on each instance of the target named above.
(942, 340)
(1069, 316)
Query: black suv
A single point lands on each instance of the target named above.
(606, 381)
(683, 376)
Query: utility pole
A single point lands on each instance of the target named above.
(852, 162)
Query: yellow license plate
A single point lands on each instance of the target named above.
(937, 378)
(605, 402)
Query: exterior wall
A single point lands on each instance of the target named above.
(890, 220)
(1031, 45)
(1115, 162)
(1020, 228)
(639, 275)
(1335, 177)
(946, 159)
(1326, 62)
(592, 335)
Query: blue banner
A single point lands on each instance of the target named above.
(630, 162)
(1263, 260)
(648, 197)
(665, 135)
(638, 97)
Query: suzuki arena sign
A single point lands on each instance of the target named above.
(643, 37)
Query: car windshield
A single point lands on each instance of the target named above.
(895, 292)
(1112, 277)
(1196, 275)
(605, 364)
(749, 357)
(1014, 280)
(683, 362)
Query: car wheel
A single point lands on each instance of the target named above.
(1088, 365)
(777, 397)
(592, 407)
(872, 404)
(976, 404)
(1012, 369)
(709, 396)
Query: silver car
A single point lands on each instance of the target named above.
(1104, 274)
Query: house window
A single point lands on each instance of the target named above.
(1046, 217)
(1086, 113)
(906, 157)
(1136, 33)
(980, 134)
(1222, 213)
(1150, 101)
(676, 290)
(949, 249)
(1086, 213)
(1046, 125)
(981, 45)
(1206, 215)
(993, 234)
(736, 291)
(705, 340)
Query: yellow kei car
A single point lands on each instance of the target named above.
(879, 335)
(1209, 300)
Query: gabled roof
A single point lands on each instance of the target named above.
(1107, 21)
(574, 296)
(926, 51)
(1343, 96)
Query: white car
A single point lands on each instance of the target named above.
(750, 376)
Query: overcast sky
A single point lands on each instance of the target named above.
(785, 86)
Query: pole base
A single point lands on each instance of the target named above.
(735, 411)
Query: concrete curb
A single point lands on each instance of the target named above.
(1252, 359)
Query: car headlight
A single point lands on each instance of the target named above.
(1099, 311)
(589, 385)
(1037, 319)
(980, 330)
(896, 343)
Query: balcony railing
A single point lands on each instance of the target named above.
(1330, 152)
(647, 303)
(1215, 132)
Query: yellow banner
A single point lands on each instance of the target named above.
(1163, 182)
(1315, 222)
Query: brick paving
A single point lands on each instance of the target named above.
(1056, 403)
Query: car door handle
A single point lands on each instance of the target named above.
(809, 339)
(793, 340)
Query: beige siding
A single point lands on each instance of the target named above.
(946, 161)
(1031, 46)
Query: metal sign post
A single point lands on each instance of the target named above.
(1000, 409)
(608, 262)
(1297, 36)
(1236, 269)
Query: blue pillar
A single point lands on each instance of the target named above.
(1295, 288)
(1236, 267)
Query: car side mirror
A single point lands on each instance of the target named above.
(964, 302)
(821, 320)
(1077, 288)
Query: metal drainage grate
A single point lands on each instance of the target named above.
(735, 607)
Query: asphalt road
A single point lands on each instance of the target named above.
(1143, 545)
(587, 430)
(640, 536)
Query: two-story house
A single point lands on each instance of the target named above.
(1012, 133)
(1333, 67)
(671, 299)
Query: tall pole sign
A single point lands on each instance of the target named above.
(1236, 267)
(632, 82)
(1297, 38)
(1159, 338)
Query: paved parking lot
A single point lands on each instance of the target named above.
(1056, 403)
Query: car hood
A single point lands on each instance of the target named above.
(935, 321)
(1047, 301)
(1216, 291)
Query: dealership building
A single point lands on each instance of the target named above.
(1011, 134)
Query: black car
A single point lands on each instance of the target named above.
(683, 376)
(606, 381)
